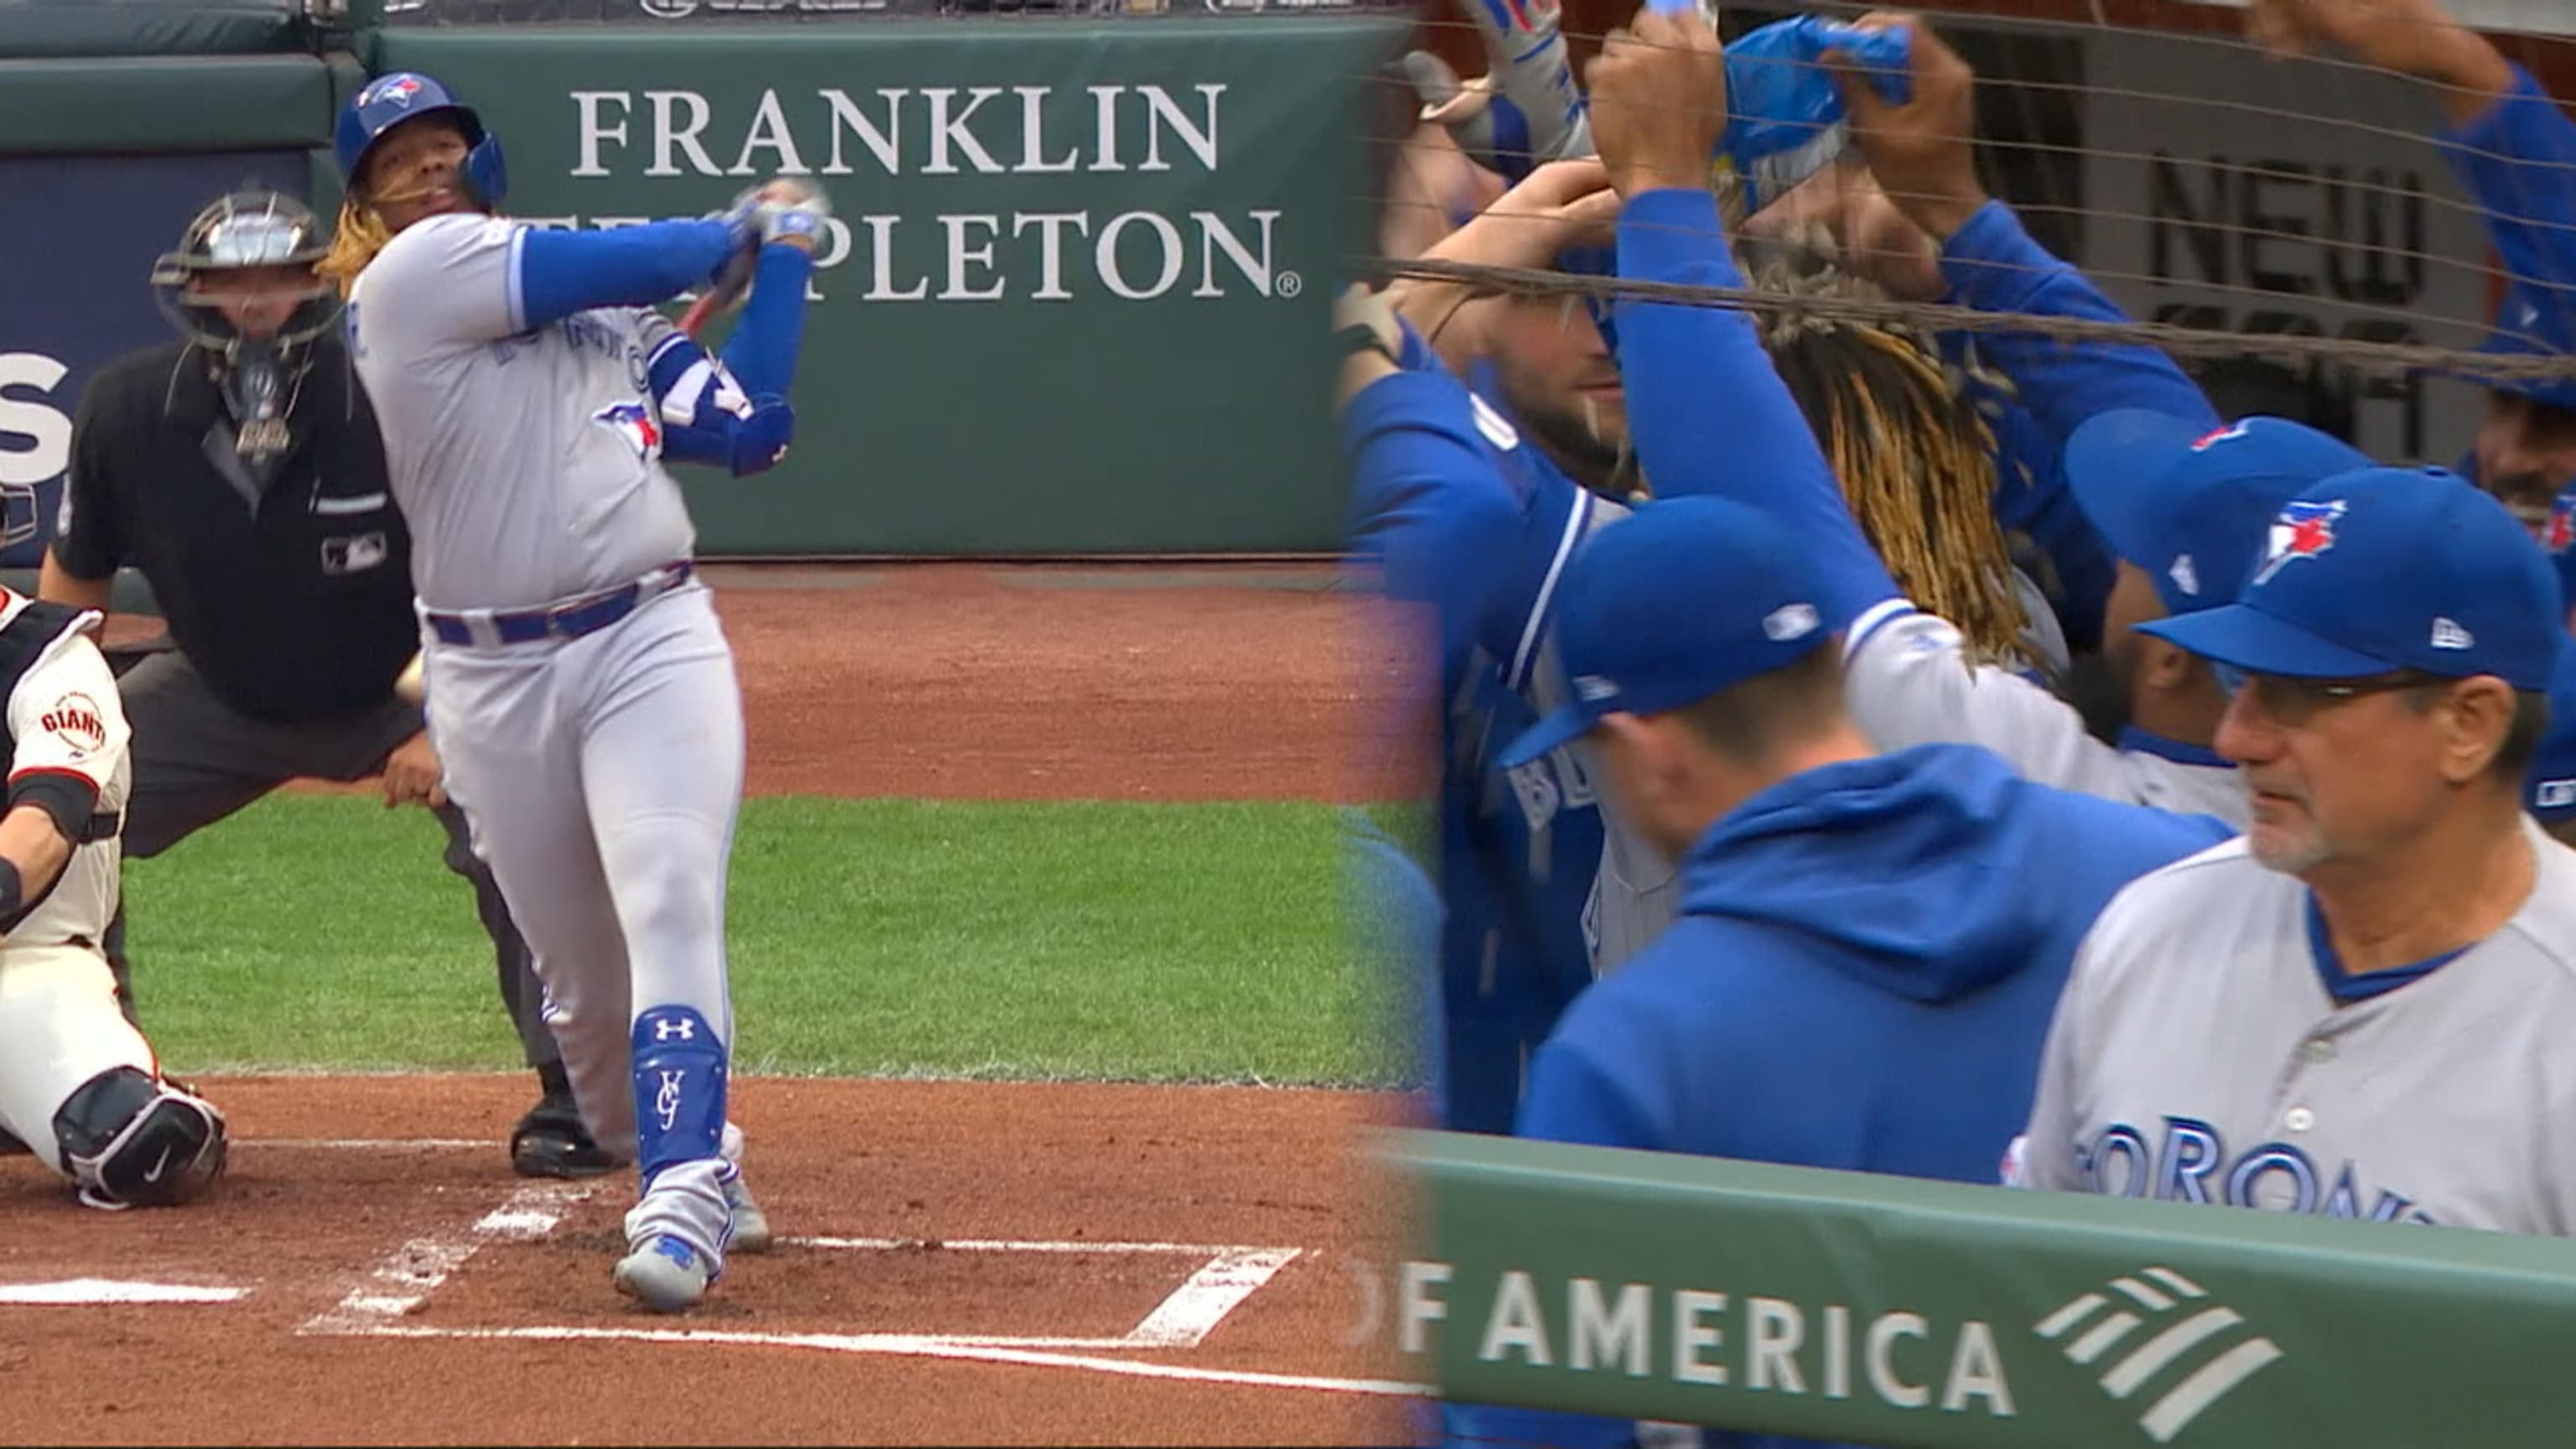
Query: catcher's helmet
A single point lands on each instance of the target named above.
(241, 230)
(389, 100)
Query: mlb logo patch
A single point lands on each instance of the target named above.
(636, 424)
(2304, 530)
(2560, 531)
(354, 553)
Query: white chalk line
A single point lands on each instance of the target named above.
(917, 1346)
(413, 1271)
(1194, 1309)
(1183, 1320)
(95, 1291)
(1015, 1245)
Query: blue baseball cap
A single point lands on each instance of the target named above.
(1671, 605)
(2549, 788)
(2188, 505)
(2384, 570)
(2533, 322)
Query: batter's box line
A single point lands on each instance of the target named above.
(413, 1271)
(922, 1346)
(1184, 1319)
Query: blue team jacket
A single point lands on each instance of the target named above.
(1863, 974)
(1463, 516)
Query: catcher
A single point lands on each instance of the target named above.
(77, 1081)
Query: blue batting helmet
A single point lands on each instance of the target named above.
(389, 100)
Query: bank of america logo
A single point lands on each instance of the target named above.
(2192, 1341)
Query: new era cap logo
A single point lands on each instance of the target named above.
(1593, 688)
(2449, 635)
(2303, 530)
(2188, 1355)
(1792, 621)
(2185, 577)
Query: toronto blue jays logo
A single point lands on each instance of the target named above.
(2303, 530)
(2561, 531)
(636, 424)
(399, 90)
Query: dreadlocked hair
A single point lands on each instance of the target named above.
(1914, 454)
(361, 234)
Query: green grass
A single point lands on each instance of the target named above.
(1102, 941)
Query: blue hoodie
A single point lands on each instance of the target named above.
(1863, 974)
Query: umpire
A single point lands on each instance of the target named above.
(239, 470)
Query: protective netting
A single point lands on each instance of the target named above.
(2311, 234)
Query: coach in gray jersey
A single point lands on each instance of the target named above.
(2311, 1017)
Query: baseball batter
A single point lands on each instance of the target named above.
(2311, 1017)
(580, 688)
(78, 1083)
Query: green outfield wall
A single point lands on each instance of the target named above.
(1886, 1311)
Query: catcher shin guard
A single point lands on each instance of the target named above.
(679, 1089)
(132, 1141)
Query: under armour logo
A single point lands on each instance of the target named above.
(681, 1028)
(666, 1102)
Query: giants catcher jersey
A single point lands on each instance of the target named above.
(528, 462)
(2200, 1054)
(1905, 677)
(66, 718)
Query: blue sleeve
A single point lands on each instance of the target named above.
(563, 272)
(734, 414)
(1993, 265)
(761, 354)
(1708, 411)
(1427, 505)
(2519, 161)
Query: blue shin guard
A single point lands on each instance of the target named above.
(679, 1089)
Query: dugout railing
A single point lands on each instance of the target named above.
(1922, 1315)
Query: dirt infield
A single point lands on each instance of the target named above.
(961, 1264)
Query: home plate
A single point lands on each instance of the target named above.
(106, 1290)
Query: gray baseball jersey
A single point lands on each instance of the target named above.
(2197, 1056)
(1908, 684)
(1637, 894)
(527, 463)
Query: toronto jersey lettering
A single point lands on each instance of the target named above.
(2200, 1054)
(2184, 1159)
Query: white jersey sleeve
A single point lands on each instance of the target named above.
(67, 717)
(1908, 681)
(2046, 1155)
(447, 282)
